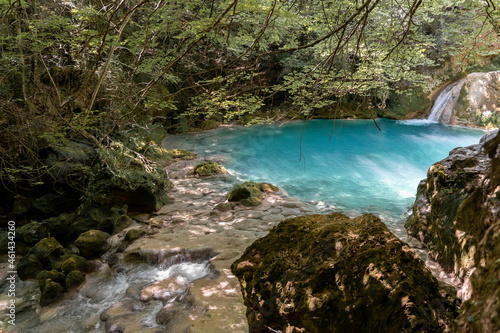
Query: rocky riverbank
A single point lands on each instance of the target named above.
(188, 230)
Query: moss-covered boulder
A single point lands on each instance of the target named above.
(110, 220)
(182, 154)
(71, 262)
(53, 275)
(134, 187)
(28, 266)
(33, 232)
(330, 273)
(74, 279)
(70, 162)
(51, 292)
(250, 193)
(92, 243)
(47, 251)
(208, 169)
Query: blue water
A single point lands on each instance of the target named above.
(361, 169)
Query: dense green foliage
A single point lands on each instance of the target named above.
(89, 71)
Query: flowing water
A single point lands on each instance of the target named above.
(441, 103)
(360, 169)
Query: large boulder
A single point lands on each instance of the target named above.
(330, 273)
(447, 214)
(457, 215)
(478, 103)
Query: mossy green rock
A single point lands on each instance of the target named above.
(208, 169)
(249, 193)
(92, 243)
(110, 220)
(48, 251)
(74, 278)
(244, 191)
(330, 273)
(134, 187)
(51, 291)
(182, 154)
(33, 232)
(71, 262)
(53, 275)
(28, 267)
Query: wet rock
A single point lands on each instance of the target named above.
(322, 273)
(166, 256)
(208, 169)
(224, 207)
(164, 290)
(172, 314)
(120, 308)
(92, 243)
(128, 317)
(225, 216)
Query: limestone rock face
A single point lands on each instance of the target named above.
(481, 313)
(330, 273)
(448, 214)
(479, 101)
(457, 214)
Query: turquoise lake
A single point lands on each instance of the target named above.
(360, 169)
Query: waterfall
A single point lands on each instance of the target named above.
(443, 100)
